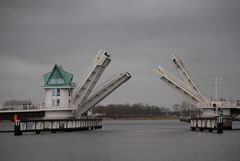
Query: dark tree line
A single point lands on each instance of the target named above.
(126, 110)
(139, 109)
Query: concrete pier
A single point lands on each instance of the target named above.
(210, 124)
(39, 126)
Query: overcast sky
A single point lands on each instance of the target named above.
(139, 35)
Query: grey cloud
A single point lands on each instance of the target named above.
(34, 35)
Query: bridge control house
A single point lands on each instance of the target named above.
(58, 87)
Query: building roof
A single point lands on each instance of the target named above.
(57, 77)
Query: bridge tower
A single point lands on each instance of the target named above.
(58, 88)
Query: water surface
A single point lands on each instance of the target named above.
(125, 140)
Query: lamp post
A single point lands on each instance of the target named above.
(216, 81)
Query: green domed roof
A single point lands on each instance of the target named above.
(57, 77)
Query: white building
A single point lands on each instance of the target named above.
(58, 93)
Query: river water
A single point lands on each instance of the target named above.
(125, 140)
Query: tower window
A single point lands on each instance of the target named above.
(58, 102)
(58, 92)
(56, 81)
(53, 92)
(53, 102)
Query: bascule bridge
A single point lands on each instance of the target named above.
(187, 87)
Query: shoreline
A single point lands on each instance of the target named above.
(143, 118)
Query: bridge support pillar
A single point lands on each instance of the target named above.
(227, 123)
(17, 128)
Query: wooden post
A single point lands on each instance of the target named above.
(220, 125)
(17, 129)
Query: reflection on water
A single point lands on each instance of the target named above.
(125, 140)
